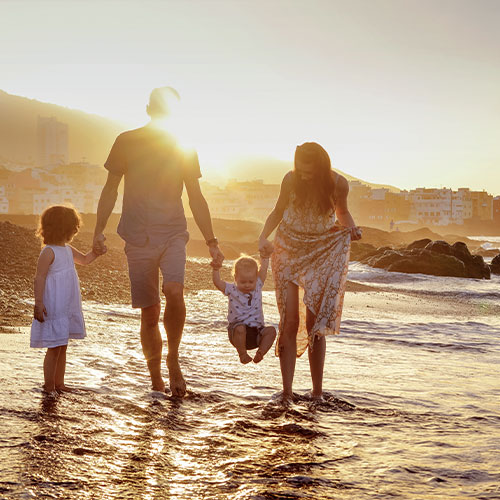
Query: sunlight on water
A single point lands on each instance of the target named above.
(410, 410)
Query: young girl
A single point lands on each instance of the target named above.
(246, 328)
(58, 304)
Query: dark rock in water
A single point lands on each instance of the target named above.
(360, 250)
(419, 243)
(385, 259)
(427, 262)
(495, 265)
(440, 246)
(460, 251)
(437, 258)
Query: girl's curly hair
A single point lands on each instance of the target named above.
(58, 224)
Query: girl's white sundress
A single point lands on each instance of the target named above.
(63, 302)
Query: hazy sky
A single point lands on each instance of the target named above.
(402, 92)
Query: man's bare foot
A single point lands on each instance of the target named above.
(245, 358)
(177, 382)
(158, 385)
(258, 356)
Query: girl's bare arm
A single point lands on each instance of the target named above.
(83, 258)
(42, 268)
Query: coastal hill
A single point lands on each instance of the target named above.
(90, 136)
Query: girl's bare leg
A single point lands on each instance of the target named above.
(50, 368)
(239, 340)
(267, 340)
(316, 358)
(61, 370)
(288, 340)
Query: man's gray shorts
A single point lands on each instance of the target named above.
(144, 264)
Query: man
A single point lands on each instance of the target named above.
(154, 227)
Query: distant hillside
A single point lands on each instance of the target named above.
(90, 136)
(271, 171)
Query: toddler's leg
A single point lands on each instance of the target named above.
(268, 335)
(239, 339)
(50, 368)
(61, 370)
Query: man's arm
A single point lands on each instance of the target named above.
(201, 215)
(104, 208)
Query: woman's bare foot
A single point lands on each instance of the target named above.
(258, 356)
(245, 358)
(49, 392)
(177, 382)
(64, 388)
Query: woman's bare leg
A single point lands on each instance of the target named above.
(316, 357)
(288, 340)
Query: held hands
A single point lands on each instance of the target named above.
(217, 256)
(39, 312)
(98, 246)
(265, 248)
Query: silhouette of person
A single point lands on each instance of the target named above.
(155, 169)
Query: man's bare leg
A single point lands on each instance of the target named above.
(173, 319)
(267, 339)
(152, 344)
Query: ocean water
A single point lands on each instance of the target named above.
(411, 410)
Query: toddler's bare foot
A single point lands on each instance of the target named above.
(245, 358)
(258, 356)
(177, 382)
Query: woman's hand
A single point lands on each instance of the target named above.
(39, 312)
(266, 248)
(356, 233)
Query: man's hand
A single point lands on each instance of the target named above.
(217, 256)
(266, 248)
(39, 312)
(98, 246)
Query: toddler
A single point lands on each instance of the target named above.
(58, 304)
(246, 328)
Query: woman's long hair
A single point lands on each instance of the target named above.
(322, 187)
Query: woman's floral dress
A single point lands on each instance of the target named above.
(312, 251)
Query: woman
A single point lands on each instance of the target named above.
(311, 251)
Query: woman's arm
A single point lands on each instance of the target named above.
(341, 209)
(274, 218)
(84, 258)
(42, 268)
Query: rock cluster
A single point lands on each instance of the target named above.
(425, 256)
